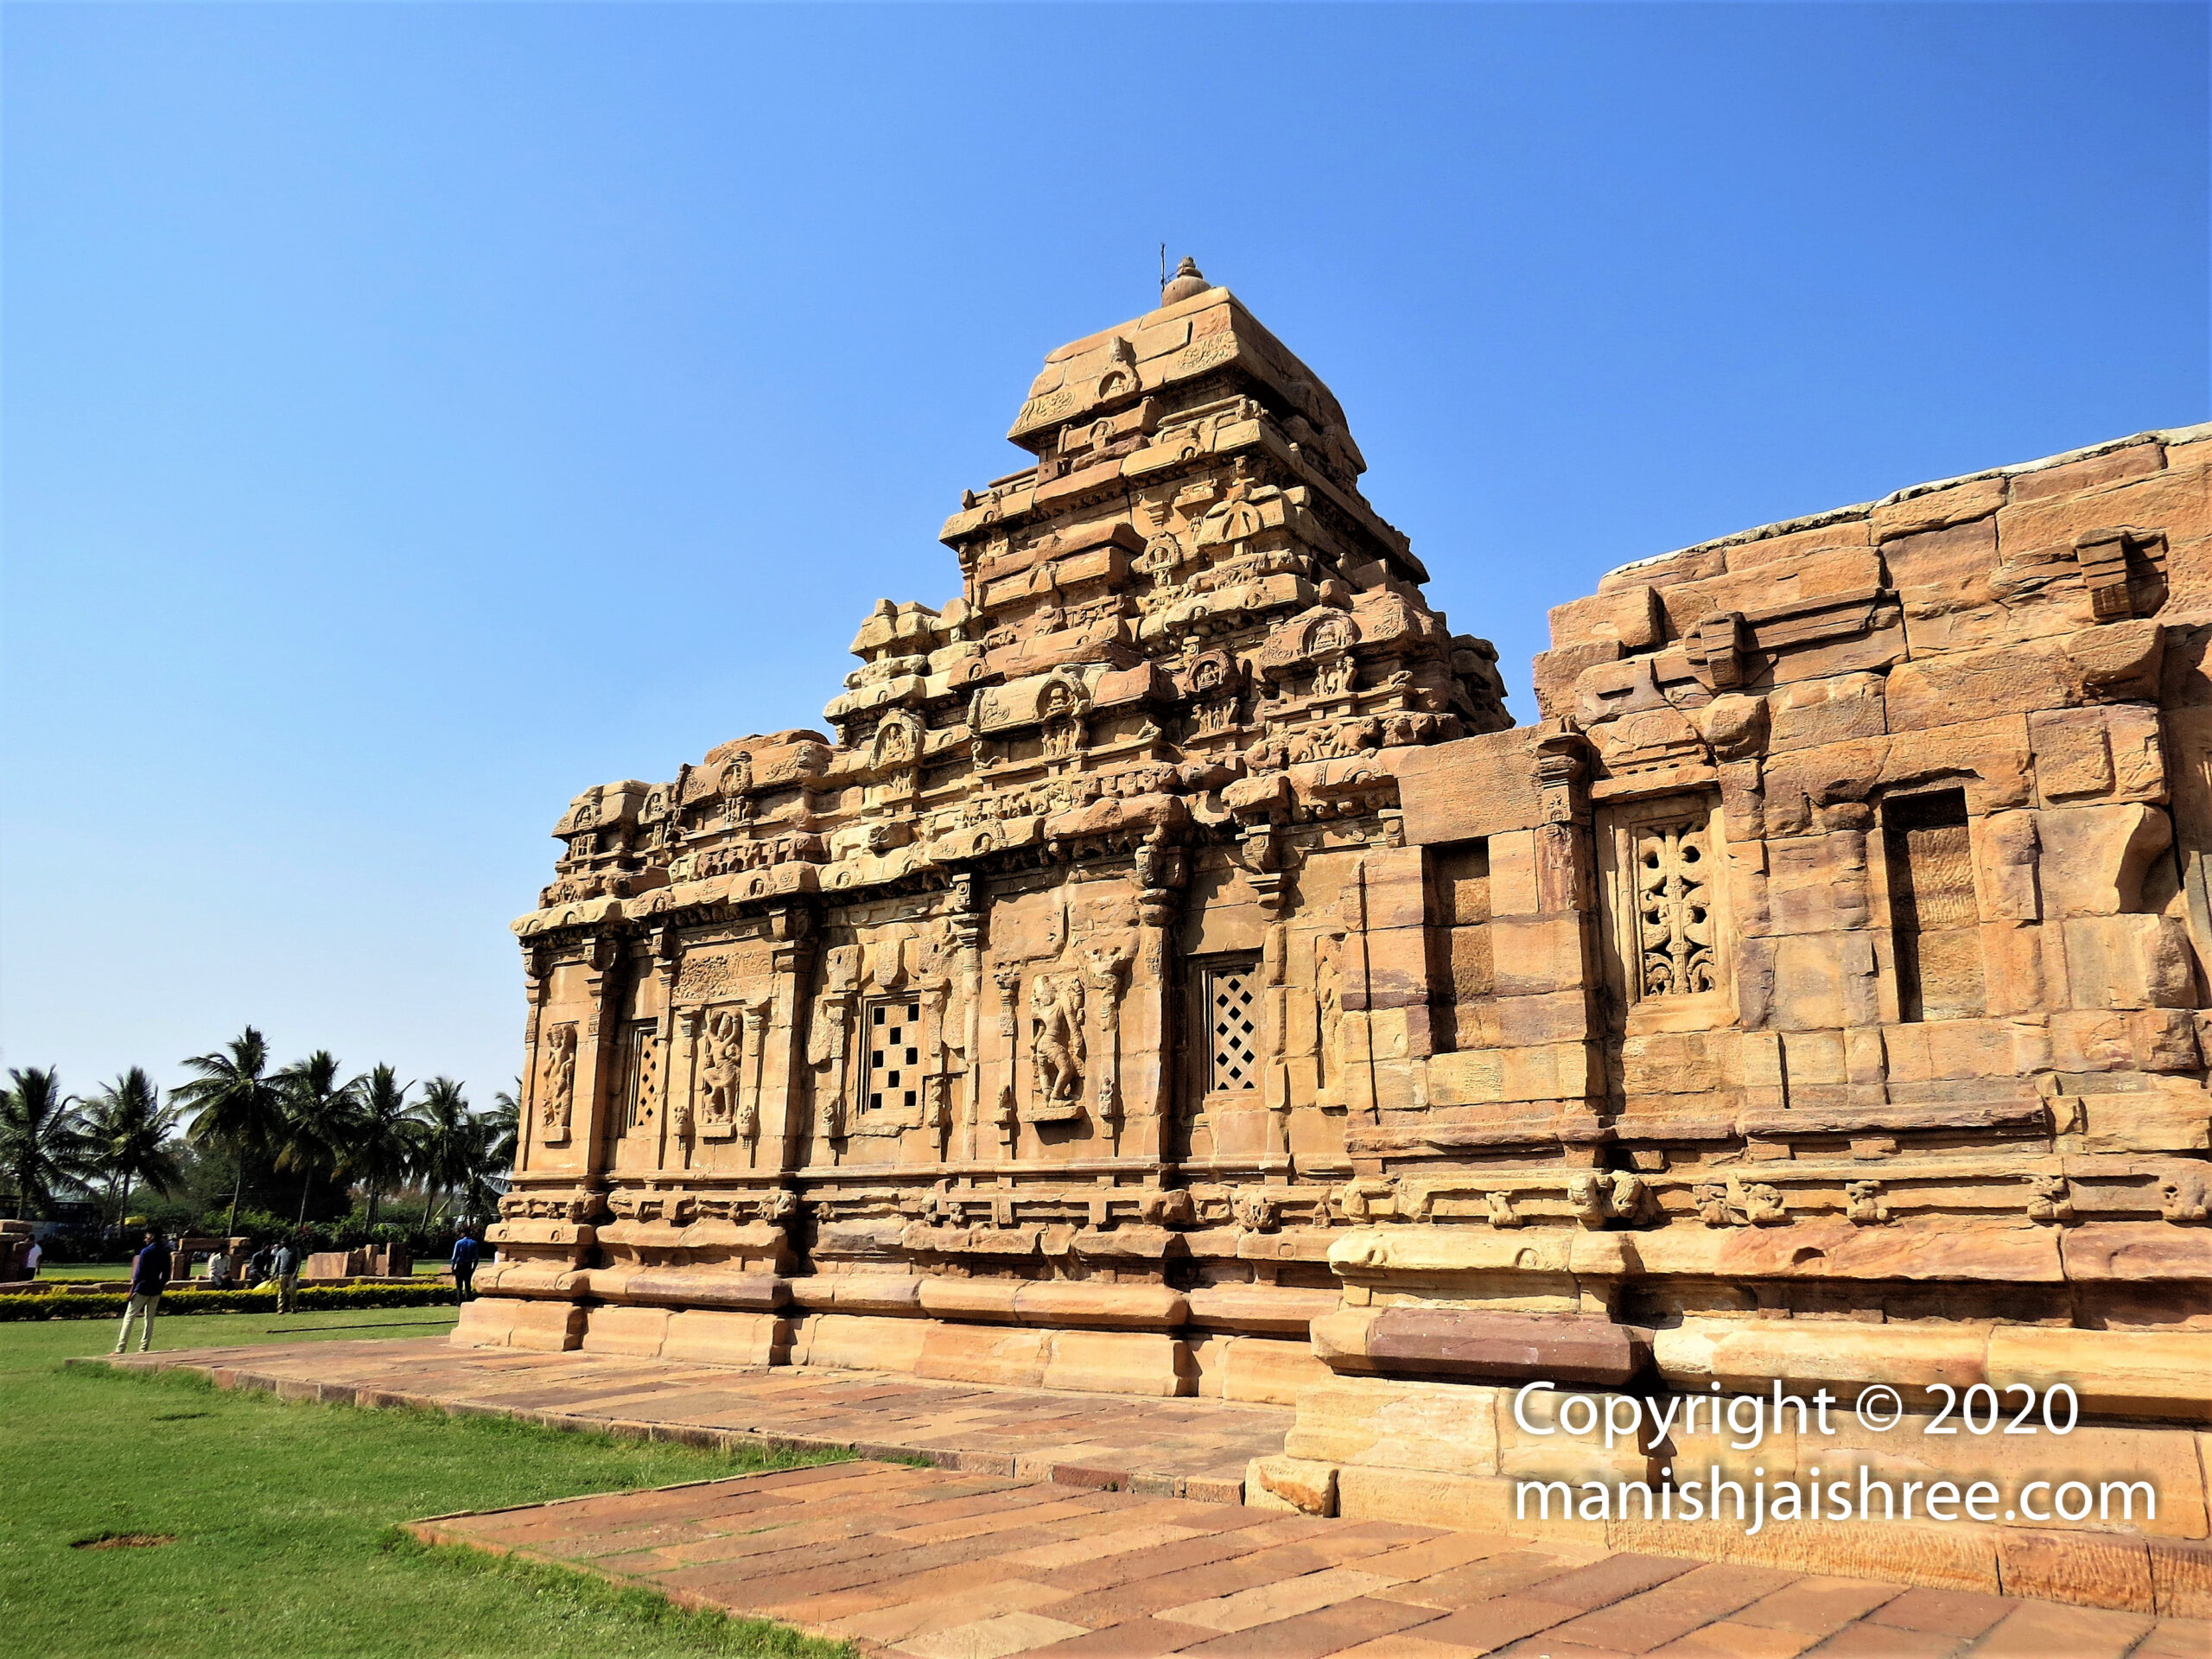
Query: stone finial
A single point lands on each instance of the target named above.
(1184, 283)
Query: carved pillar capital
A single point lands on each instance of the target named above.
(1562, 772)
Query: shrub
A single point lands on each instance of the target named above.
(109, 1305)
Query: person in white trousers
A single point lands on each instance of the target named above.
(149, 1277)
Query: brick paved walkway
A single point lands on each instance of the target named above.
(941, 1565)
(1195, 1448)
(1074, 1524)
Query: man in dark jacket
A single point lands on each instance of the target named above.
(149, 1277)
(464, 1266)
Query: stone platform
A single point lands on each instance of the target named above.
(1090, 1524)
(941, 1565)
(1188, 1448)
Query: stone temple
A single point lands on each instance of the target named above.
(1173, 973)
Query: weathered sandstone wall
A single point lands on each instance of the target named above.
(1175, 975)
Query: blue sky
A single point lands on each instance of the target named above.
(414, 414)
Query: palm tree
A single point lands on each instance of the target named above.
(132, 1135)
(447, 1147)
(42, 1138)
(234, 1107)
(387, 1134)
(321, 1117)
(504, 1123)
(492, 1156)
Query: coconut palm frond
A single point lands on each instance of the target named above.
(44, 1146)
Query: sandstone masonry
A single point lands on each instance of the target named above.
(1177, 976)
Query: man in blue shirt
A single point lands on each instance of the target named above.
(464, 1266)
(149, 1277)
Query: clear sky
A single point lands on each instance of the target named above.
(414, 414)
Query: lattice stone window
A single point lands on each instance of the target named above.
(639, 1075)
(1673, 871)
(1232, 1012)
(1662, 895)
(894, 1053)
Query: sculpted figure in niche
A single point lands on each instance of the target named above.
(894, 742)
(737, 783)
(1060, 710)
(1330, 633)
(1329, 1001)
(560, 1079)
(1056, 1038)
(719, 1067)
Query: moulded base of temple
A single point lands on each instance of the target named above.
(1265, 1370)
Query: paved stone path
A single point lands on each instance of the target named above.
(1079, 1524)
(941, 1565)
(1182, 1448)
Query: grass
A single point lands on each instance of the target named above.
(283, 1515)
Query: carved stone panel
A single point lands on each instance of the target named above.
(1663, 879)
(558, 1095)
(722, 1047)
(1674, 909)
(1058, 1049)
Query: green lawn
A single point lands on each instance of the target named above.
(282, 1515)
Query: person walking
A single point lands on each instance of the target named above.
(30, 1260)
(149, 1277)
(284, 1269)
(464, 1253)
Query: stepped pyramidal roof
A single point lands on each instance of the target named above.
(1186, 591)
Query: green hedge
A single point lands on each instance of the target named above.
(109, 1305)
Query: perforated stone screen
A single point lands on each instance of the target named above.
(1233, 1023)
(894, 1053)
(640, 1081)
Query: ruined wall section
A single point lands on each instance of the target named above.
(1866, 852)
(1864, 855)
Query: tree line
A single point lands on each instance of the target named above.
(305, 1119)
